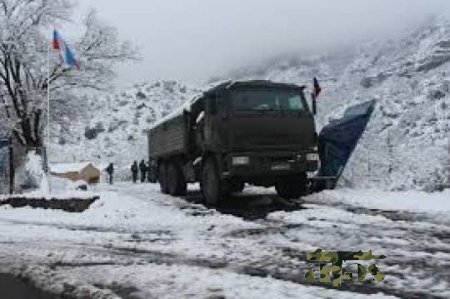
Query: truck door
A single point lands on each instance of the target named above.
(210, 120)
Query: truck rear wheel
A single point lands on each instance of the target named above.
(176, 183)
(291, 188)
(152, 172)
(211, 184)
(162, 177)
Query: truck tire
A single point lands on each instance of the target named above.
(176, 184)
(211, 184)
(292, 188)
(163, 178)
(152, 174)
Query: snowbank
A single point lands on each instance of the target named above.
(30, 175)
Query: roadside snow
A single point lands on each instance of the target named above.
(415, 201)
(45, 195)
(31, 174)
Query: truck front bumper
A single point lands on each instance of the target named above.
(247, 165)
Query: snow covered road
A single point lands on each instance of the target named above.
(137, 243)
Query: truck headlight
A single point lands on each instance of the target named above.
(239, 161)
(312, 157)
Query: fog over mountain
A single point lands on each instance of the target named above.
(194, 40)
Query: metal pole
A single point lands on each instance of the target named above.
(48, 100)
(11, 166)
(48, 120)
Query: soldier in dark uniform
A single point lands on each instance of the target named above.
(134, 171)
(143, 169)
(110, 171)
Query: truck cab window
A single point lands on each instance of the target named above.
(268, 100)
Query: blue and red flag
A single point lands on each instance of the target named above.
(65, 52)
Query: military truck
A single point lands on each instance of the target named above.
(254, 132)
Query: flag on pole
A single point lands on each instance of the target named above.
(65, 52)
(317, 88)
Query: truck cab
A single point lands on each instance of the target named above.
(253, 132)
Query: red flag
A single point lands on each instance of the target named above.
(317, 88)
(55, 43)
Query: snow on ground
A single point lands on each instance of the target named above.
(61, 189)
(137, 242)
(416, 201)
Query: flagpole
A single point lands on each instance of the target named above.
(48, 119)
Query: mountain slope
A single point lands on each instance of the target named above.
(406, 144)
(114, 130)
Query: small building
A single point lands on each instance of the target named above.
(87, 172)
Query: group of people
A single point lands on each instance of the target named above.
(143, 168)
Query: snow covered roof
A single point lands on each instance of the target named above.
(69, 167)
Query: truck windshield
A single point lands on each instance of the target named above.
(268, 100)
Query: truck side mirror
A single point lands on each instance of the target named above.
(314, 104)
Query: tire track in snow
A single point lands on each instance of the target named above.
(379, 236)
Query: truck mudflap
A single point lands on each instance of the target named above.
(337, 141)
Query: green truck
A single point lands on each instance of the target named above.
(256, 132)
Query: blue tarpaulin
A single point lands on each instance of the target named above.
(338, 139)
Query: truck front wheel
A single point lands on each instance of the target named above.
(162, 177)
(291, 188)
(176, 184)
(211, 184)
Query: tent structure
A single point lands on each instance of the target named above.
(338, 140)
(87, 172)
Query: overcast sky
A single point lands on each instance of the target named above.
(196, 39)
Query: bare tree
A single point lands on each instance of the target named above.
(25, 34)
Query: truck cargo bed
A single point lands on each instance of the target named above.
(168, 138)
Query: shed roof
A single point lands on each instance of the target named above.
(70, 167)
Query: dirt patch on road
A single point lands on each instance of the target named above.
(74, 205)
(246, 206)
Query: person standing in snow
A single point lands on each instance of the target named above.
(143, 169)
(110, 171)
(134, 171)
